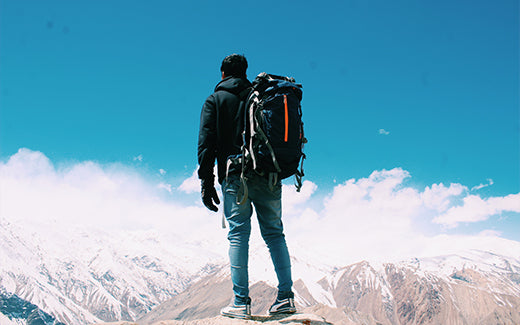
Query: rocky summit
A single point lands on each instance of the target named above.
(306, 319)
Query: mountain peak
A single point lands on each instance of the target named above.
(475, 288)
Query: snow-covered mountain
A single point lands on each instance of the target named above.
(85, 275)
(14, 310)
(474, 287)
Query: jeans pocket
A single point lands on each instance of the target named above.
(231, 185)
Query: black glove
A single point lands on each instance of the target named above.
(209, 195)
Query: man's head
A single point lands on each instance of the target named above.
(234, 65)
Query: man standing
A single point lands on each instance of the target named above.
(220, 137)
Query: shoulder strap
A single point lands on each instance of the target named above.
(244, 93)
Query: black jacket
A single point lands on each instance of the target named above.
(221, 123)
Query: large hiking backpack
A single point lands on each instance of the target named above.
(273, 137)
(274, 128)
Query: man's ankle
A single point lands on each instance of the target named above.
(284, 295)
(239, 301)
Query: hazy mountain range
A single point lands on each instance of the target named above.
(86, 276)
(477, 288)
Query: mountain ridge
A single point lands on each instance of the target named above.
(87, 276)
(474, 291)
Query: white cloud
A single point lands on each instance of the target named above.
(162, 172)
(165, 186)
(374, 201)
(490, 233)
(191, 184)
(452, 244)
(107, 196)
(138, 158)
(27, 163)
(375, 218)
(383, 132)
(475, 209)
(373, 214)
(478, 187)
(294, 202)
(438, 197)
(366, 218)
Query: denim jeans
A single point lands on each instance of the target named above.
(268, 206)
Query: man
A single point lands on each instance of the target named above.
(220, 136)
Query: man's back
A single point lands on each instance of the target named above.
(222, 119)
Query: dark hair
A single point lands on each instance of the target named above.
(234, 65)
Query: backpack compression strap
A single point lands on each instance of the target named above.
(299, 175)
(255, 130)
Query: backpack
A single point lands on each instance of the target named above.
(273, 137)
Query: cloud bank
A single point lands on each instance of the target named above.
(380, 217)
(368, 218)
(112, 197)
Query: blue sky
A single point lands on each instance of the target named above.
(428, 87)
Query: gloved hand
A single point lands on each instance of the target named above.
(209, 195)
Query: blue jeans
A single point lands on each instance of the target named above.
(268, 206)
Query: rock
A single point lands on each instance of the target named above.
(117, 323)
(305, 319)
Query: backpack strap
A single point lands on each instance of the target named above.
(249, 120)
(273, 179)
(299, 175)
(245, 97)
(257, 131)
(271, 151)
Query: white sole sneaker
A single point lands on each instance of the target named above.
(237, 311)
(284, 306)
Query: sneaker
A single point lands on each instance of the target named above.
(283, 306)
(238, 311)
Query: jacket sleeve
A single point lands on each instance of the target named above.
(207, 146)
